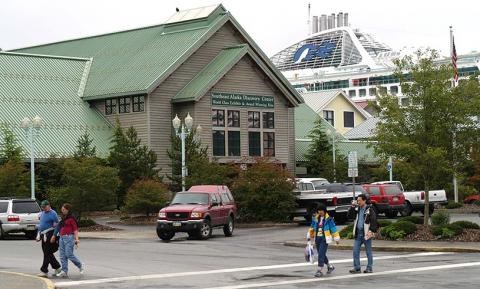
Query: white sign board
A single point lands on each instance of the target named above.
(352, 173)
(352, 160)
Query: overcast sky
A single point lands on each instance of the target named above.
(274, 25)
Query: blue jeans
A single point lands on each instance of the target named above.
(322, 247)
(359, 240)
(67, 242)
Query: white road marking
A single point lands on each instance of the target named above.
(350, 276)
(230, 270)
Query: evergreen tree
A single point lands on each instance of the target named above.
(133, 160)
(84, 147)
(10, 150)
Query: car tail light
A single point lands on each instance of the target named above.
(422, 196)
(13, 218)
(334, 201)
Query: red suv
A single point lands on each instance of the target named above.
(388, 199)
(197, 211)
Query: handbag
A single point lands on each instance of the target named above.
(309, 253)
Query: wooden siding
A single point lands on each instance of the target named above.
(139, 120)
(246, 78)
(160, 107)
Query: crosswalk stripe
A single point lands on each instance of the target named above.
(229, 270)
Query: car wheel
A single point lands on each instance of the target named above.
(408, 210)
(228, 227)
(31, 235)
(165, 235)
(205, 230)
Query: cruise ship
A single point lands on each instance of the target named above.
(336, 56)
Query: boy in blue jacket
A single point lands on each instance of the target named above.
(323, 231)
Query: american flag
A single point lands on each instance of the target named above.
(454, 61)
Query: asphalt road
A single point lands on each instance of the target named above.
(253, 258)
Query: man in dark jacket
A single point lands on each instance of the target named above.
(364, 228)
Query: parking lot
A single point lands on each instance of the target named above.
(253, 258)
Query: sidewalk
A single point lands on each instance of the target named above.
(404, 246)
(12, 280)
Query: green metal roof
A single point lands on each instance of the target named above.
(137, 61)
(211, 73)
(365, 154)
(50, 87)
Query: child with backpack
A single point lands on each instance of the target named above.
(323, 231)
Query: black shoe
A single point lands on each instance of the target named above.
(368, 271)
(330, 269)
(319, 274)
(354, 271)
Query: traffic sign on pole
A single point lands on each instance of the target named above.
(352, 160)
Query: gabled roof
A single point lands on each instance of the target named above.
(137, 61)
(50, 87)
(320, 99)
(365, 130)
(211, 74)
(305, 118)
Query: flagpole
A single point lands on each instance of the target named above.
(454, 84)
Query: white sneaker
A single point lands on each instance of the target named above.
(82, 269)
(62, 274)
(57, 271)
(42, 274)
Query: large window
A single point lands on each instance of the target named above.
(110, 106)
(233, 118)
(234, 143)
(124, 105)
(394, 90)
(218, 117)
(362, 92)
(218, 143)
(138, 103)
(254, 119)
(372, 91)
(328, 115)
(268, 120)
(348, 119)
(269, 144)
(254, 148)
(352, 93)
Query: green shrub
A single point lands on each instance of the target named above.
(398, 230)
(447, 231)
(453, 205)
(466, 225)
(477, 203)
(146, 196)
(264, 193)
(440, 218)
(414, 219)
(347, 232)
(86, 223)
(383, 223)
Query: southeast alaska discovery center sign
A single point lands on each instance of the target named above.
(245, 100)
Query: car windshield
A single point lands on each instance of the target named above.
(25, 207)
(358, 188)
(392, 190)
(190, 198)
(318, 184)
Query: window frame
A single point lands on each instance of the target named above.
(329, 120)
(112, 107)
(219, 123)
(252, 149)
(254, 120)
(268, 123)
(138, 103)
(233, 118)
(124, 107)
(345, 119)
(215, 149)
(229, 143)
(268, 151)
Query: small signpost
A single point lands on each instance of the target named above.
(352, 168)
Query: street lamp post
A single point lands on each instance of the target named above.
(182, 131)
(32, 128)
(332, 133)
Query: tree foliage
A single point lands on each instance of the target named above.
(132, 159)
(204, 172)
(146, 196)
(14, 180)
(320, 156)
(88, 186)
(10, 150)
(85, 149)
(422, 134)
(264, 192)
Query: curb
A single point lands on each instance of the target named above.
(47, 282)
(381, 248)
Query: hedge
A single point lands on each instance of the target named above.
(440, 218)
(347, 232)
(466, 225)
(447, 231)
(414, 219)
(453, 205)
(398, 230)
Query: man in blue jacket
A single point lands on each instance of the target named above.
(48, 221)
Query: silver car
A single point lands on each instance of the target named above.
(19, 215)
